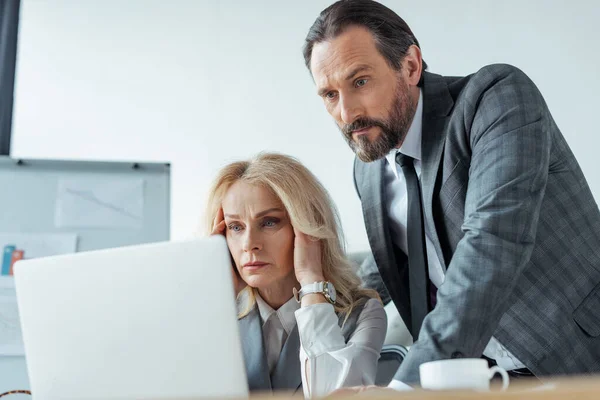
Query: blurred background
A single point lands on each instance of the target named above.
(101, 86)
(199, 83)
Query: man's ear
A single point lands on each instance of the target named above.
(412, 65)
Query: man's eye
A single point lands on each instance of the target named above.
(330, 95)
(360, 82)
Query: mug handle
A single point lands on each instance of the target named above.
(497, 370)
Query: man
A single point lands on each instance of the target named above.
(479, 218)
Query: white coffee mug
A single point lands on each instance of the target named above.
(463, 373)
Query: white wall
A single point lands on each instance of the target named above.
(200, 83)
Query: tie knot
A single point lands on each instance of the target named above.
(403, 160)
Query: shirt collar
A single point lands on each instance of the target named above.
(411, 146)
(285, 313)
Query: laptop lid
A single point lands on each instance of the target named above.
(146, 322)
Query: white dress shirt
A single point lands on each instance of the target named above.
(332, 363)
(397, 209)
(277, 326)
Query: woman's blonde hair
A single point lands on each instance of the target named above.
(310, 210)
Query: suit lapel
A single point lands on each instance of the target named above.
(253, 346)
(287, 373)
(372, 198)
(437, 103)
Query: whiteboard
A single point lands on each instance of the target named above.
(29, 189)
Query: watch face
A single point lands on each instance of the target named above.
(331, 292)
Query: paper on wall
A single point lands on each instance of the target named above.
(11, 342)
(30, 245)
(100, 203)
(40, 244)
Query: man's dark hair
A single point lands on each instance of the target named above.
(392, 35)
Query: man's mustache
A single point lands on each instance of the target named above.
(361, 123)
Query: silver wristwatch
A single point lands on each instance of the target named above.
(324, 288)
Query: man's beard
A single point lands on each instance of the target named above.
(393, 130)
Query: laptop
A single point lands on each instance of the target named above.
(153, 321)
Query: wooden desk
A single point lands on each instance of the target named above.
(559, 389)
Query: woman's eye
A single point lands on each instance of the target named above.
(235, 227)
(361, 82)
(269, 223)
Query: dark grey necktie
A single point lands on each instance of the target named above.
(417, 257)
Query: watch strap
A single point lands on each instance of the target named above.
(315, 287)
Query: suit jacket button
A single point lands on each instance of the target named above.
(457, 354)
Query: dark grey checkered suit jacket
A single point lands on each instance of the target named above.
(513, 222)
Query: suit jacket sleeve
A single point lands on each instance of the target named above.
(510, 151)
(371, 278)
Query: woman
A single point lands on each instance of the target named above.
(303, 318)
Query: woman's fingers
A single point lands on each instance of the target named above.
(219, 217)
(302, 238)
(219, 223)
(307, 258)
(219, 229)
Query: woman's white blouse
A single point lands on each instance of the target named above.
(327, 361)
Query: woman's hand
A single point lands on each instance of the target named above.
(219, 224)
(219, 229)
(307, 259)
